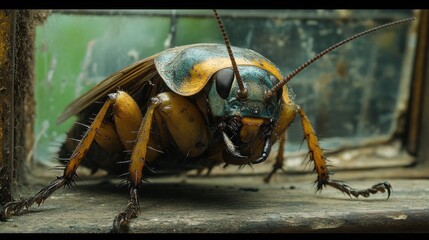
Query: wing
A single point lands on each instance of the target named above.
(130, 79)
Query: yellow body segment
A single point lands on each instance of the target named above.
(127, 117)
(184, 122)
(108, 138)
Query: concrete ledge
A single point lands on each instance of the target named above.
(229, 205)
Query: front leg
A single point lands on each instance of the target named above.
(186, 126)
(316, 155)
(278, 165)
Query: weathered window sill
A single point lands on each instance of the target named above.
(233, 204)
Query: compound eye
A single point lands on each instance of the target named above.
(274, 81)
(224, 79)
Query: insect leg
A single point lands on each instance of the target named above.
(186, 126)
(286, 116)
(137, 161)
(279, 159)
(16, 207)
(316, 155)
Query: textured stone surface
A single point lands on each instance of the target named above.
(229, 204)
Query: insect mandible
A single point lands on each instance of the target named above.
(190, 107)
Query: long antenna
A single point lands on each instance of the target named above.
(242, 93)
(280, 84)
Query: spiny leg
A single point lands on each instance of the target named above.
(279, 159)
(316, 155)
(379, 187)
(16, 207)
(186, 126)
(138, 158)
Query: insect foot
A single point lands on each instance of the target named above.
(343, 187)
(16, 207)
(122, 220)
(278, 165)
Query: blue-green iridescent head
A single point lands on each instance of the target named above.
(224, 101)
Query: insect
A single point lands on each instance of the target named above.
(188, 107)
